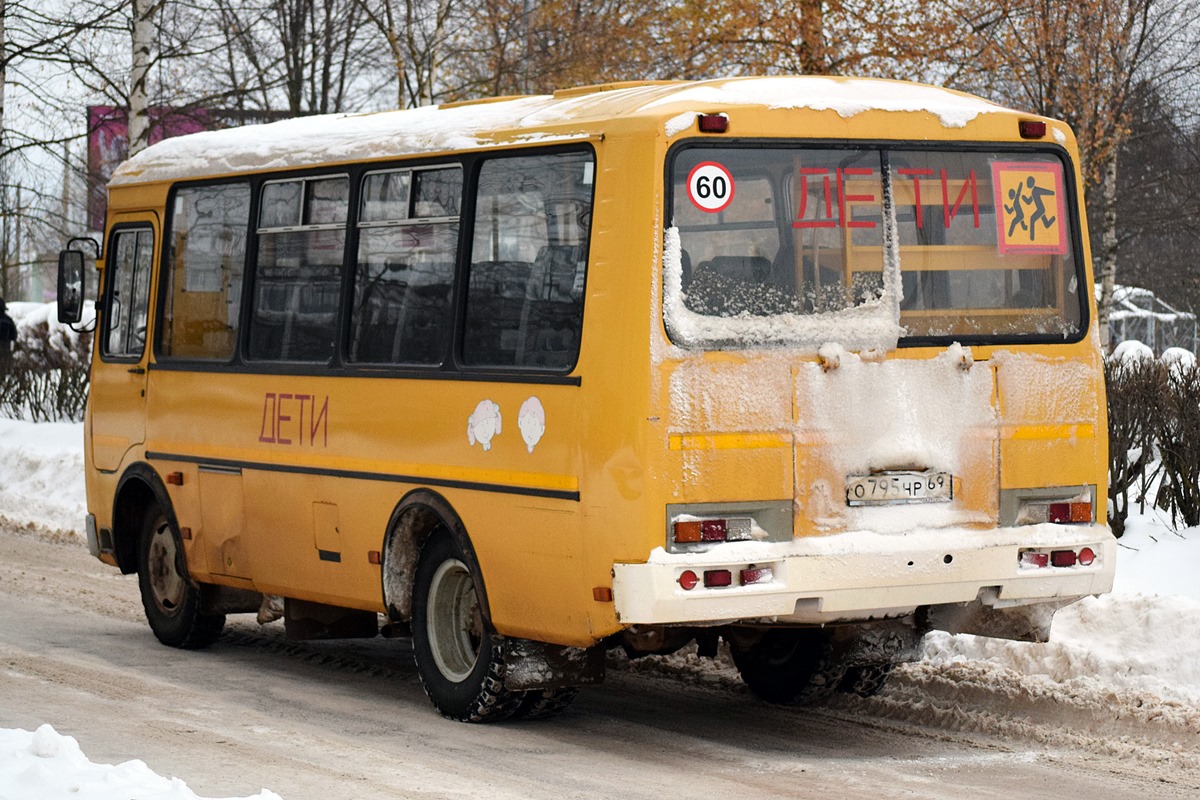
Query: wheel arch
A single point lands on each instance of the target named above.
(138, 489)
(416, 517)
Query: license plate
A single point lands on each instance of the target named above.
(893, 488)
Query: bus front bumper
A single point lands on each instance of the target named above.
(860, 576)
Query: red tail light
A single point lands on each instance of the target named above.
(717, 577)
(1063, 558)
(752, 575)
(1087, 556)
(688, 580)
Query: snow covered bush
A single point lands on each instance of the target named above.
(46, 378)
(1178, 438)
(1153, 432)
(1135, 385)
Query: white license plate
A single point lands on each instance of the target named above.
(888, 488)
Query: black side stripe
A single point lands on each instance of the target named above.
(499, 488)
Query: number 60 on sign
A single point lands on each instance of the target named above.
(710, 187)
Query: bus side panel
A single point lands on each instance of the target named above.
(323, 461)
(622, 484)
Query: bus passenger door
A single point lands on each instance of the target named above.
(118, 390)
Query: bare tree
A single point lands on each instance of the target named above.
(417, 33)
(1080, 62)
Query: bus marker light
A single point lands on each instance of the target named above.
(175, 478)
(1032, 128)
(688, 580)
(714, 123)
(374, 557)
(1032, 558)
(717, 578)
(1063, 558)
(1087, 556)
(602, 594)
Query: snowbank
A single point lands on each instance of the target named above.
(45, 765)
(41, 474)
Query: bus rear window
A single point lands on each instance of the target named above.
(979, 244)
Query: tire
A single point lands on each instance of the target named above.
(171, 600)
(790, 666)
(459, 658)
(543, 704)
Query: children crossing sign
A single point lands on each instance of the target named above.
(1031, 212)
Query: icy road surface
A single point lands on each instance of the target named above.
(349, 719)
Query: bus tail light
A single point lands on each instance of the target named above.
(752, 574)
(722, 578)
(1039, 559)
(1063, 558)
(1032, 558)
(717, 577)
(730, 529)
(1073, 511)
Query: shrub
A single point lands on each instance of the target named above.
(1136, 391)
(46, 378)
(1178, 437)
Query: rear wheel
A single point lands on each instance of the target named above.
(790, 666)
(171, 600)
(460, 660)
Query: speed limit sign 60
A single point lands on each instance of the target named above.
(710, 187)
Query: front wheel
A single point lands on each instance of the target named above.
(171, 600)
(460, 660)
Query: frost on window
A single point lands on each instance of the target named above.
(861, 245)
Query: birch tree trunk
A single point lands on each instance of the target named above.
(1108, 244)
(143, 39)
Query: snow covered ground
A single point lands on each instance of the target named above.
(1143, 639)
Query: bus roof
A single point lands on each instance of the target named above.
(563, 116)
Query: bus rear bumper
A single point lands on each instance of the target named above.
(862, 576)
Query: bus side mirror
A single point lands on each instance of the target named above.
(71, 287)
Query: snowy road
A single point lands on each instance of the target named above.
(349, 719)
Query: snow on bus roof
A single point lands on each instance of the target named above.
(307, 141)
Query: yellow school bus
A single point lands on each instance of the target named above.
(802, 367)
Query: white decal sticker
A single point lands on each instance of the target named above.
(710, 187)
(484, 424)
(531, 419)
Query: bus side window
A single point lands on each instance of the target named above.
(128, 283)
(404, 274)
(298, 276)
(206, 261)
(529, 262)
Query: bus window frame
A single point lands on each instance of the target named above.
(152, 322)
(938, 145)
(463, 276)
(451, 368)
